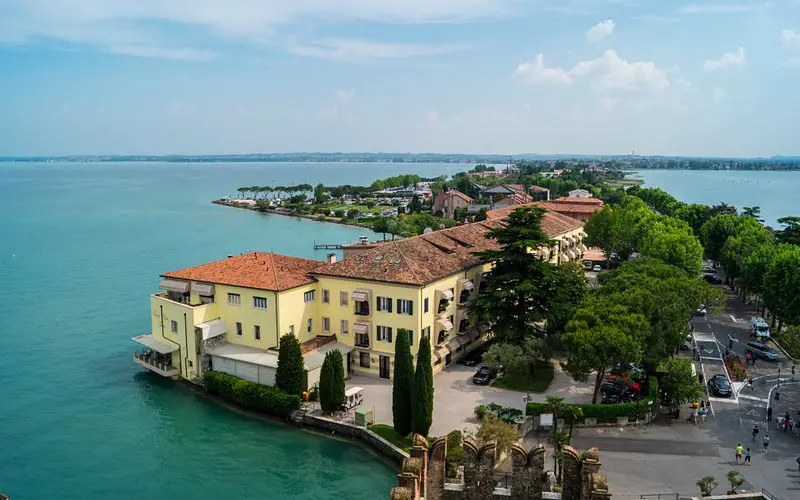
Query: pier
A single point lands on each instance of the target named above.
(326, 246)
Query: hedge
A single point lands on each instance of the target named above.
(258, 397)
(607, 414)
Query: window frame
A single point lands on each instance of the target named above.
(344, 299)
(326, 324)
(257, 332)
(234, 299)
(239, 328)
(326, 296)
(173, 326)
(309, 296)
(344, 327)
(255, 306)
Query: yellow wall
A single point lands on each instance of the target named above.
(292, 310)
(248, 316)
(163, 311)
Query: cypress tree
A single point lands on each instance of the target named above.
(290, 377)
(422, 398)
(331, 382)
(402, 384)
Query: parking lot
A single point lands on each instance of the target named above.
(455, 396)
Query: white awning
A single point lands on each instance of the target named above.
(441, 352)
(360, 296)
(153, 343)
(571, 254)
(213, 328)
(453, 344)
(564, 256)
(447, 294)
(360, 327)
(467, 284)
(174, 286)
(444, 324)
(203, 288)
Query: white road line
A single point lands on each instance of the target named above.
(733, 319)
(753, 398)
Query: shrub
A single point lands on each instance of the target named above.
(402, 384)
(422, 395)
(505, 413)
(290, 377)
(248, 394)
(455, 453)
(480, 412)
(331, 382)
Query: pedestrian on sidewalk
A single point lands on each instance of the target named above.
(755, 433)
(769, 413)
(792, 372)
(747, 358)
(747, 456)
(766, 442)
(750, 384)
(739, 452)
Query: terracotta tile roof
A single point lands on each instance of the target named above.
(588, 201)
(430, 257)
(537, 189)
(583, 208)
(264, 271)
(459, 194)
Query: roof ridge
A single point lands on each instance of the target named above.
(410, 267)
(274, 272)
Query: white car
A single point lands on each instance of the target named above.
(596, 269)
(701, 311)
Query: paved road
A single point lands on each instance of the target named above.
(734, 418)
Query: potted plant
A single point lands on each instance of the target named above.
(707, 485)
(736, 480)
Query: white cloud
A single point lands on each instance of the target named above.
(720, 7)
(790, 39)
(683, 82)
(608, 71)
(719, 95)
(153, 28)
(655, 18)
(613, 72)
(537, 73)
(609, 102)
(340, 49)
(727, 60)
(345, 95)
(600, 31)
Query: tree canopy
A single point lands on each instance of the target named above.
(422, 397)
(402, 384)
(290, 376)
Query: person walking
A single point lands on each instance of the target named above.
(747, 456)
(747, 358)
(750, 384)
(766, 442)
(755, 433)
(769, 413)
(739, 452)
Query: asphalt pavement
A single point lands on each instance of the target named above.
(734, 418)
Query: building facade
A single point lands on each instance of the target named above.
(229, 315)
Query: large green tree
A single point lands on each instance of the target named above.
(716, 232)
(791, 232)
(601, 334)
(695, 215)
(290, 376)
(672, 241)
(747, 238)
(402, 384)
(422, 397)
(521, 287)
(678, 383)
(754, 269)
(319, 194)
(331, 382)
(782, 284)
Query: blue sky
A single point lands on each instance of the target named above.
(470, 76)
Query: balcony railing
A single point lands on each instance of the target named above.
(362, 309)
(185, 302)
(155, 363)
(362, 340)
(443, 306)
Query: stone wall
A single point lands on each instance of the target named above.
(369, 438)
(422, 475)
(205, 347)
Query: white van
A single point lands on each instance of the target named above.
(759, 327)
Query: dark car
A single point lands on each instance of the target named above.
(474, 357)
(713, 279)
(484, 375)
(616, 391)
(761, 351)
(719, 386)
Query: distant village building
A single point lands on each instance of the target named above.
(579, 193)
(581, 208)
(554, 173)
(448, 201)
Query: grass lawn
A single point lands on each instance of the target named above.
(539, 382)
(387, 432)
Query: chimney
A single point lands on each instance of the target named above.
(331, 258)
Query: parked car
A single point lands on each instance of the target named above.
(474, 357)
(484, 375)
(760, 350)
(719, 386)
(596, 269)
(758, 327)
(709, 269)
(713, 279)
(687, 344)
(614, 392)
(702, 310)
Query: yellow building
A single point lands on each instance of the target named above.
(228, 315)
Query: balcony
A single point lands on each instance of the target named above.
(362, 309)
(362, 340)
(157, 363)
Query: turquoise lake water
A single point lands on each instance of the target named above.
(81, 247)
(777, 193)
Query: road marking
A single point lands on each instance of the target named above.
(753, 398)
(753, 413)
(722, 400)
(733, 319)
